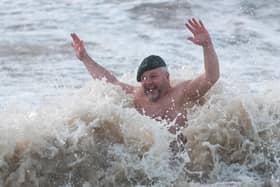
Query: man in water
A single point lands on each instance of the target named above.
(156, 97)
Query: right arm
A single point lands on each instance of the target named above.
(96, 70)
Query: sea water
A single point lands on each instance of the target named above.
(59, 127)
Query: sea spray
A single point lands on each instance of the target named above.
(90, 137)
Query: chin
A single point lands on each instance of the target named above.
(153, 97)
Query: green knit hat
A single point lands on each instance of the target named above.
(149, 63)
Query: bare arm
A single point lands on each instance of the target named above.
(196, 88)
(96, 70)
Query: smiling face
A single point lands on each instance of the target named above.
(155, 83)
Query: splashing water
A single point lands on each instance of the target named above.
(57, 131)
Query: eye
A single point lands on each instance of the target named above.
(143, 78)
(154, 76)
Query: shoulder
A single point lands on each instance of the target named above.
(182, 86)
(138, 92)
(139, 98)
(183, 90)
(129, 89)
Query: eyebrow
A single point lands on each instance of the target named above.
(154, 73)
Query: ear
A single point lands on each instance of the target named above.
(167, 75)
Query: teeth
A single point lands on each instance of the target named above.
(150, 89)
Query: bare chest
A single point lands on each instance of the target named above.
(167, 109)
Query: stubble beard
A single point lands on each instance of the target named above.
(153, 93)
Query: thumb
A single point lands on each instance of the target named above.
(82, 43)
(190, 38)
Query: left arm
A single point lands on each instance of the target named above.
(196, 88)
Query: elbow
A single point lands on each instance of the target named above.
(216, 75)
(214, 78)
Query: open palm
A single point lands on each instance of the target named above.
(78, 46)
(200, 34)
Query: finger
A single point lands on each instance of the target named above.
(203, 27)
(190, 28)
(191, 39)
(82, 45)
(75, 38)
(192, 24)
(196, 23)
(74, 45)
(72, 35)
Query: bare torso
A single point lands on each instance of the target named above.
(169, 107)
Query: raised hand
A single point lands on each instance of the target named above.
(200, 34)
(79, 48)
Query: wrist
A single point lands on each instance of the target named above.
(85, 58)
(207, 44)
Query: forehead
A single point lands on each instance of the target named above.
(153, 71)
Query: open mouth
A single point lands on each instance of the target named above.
(150, 89)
